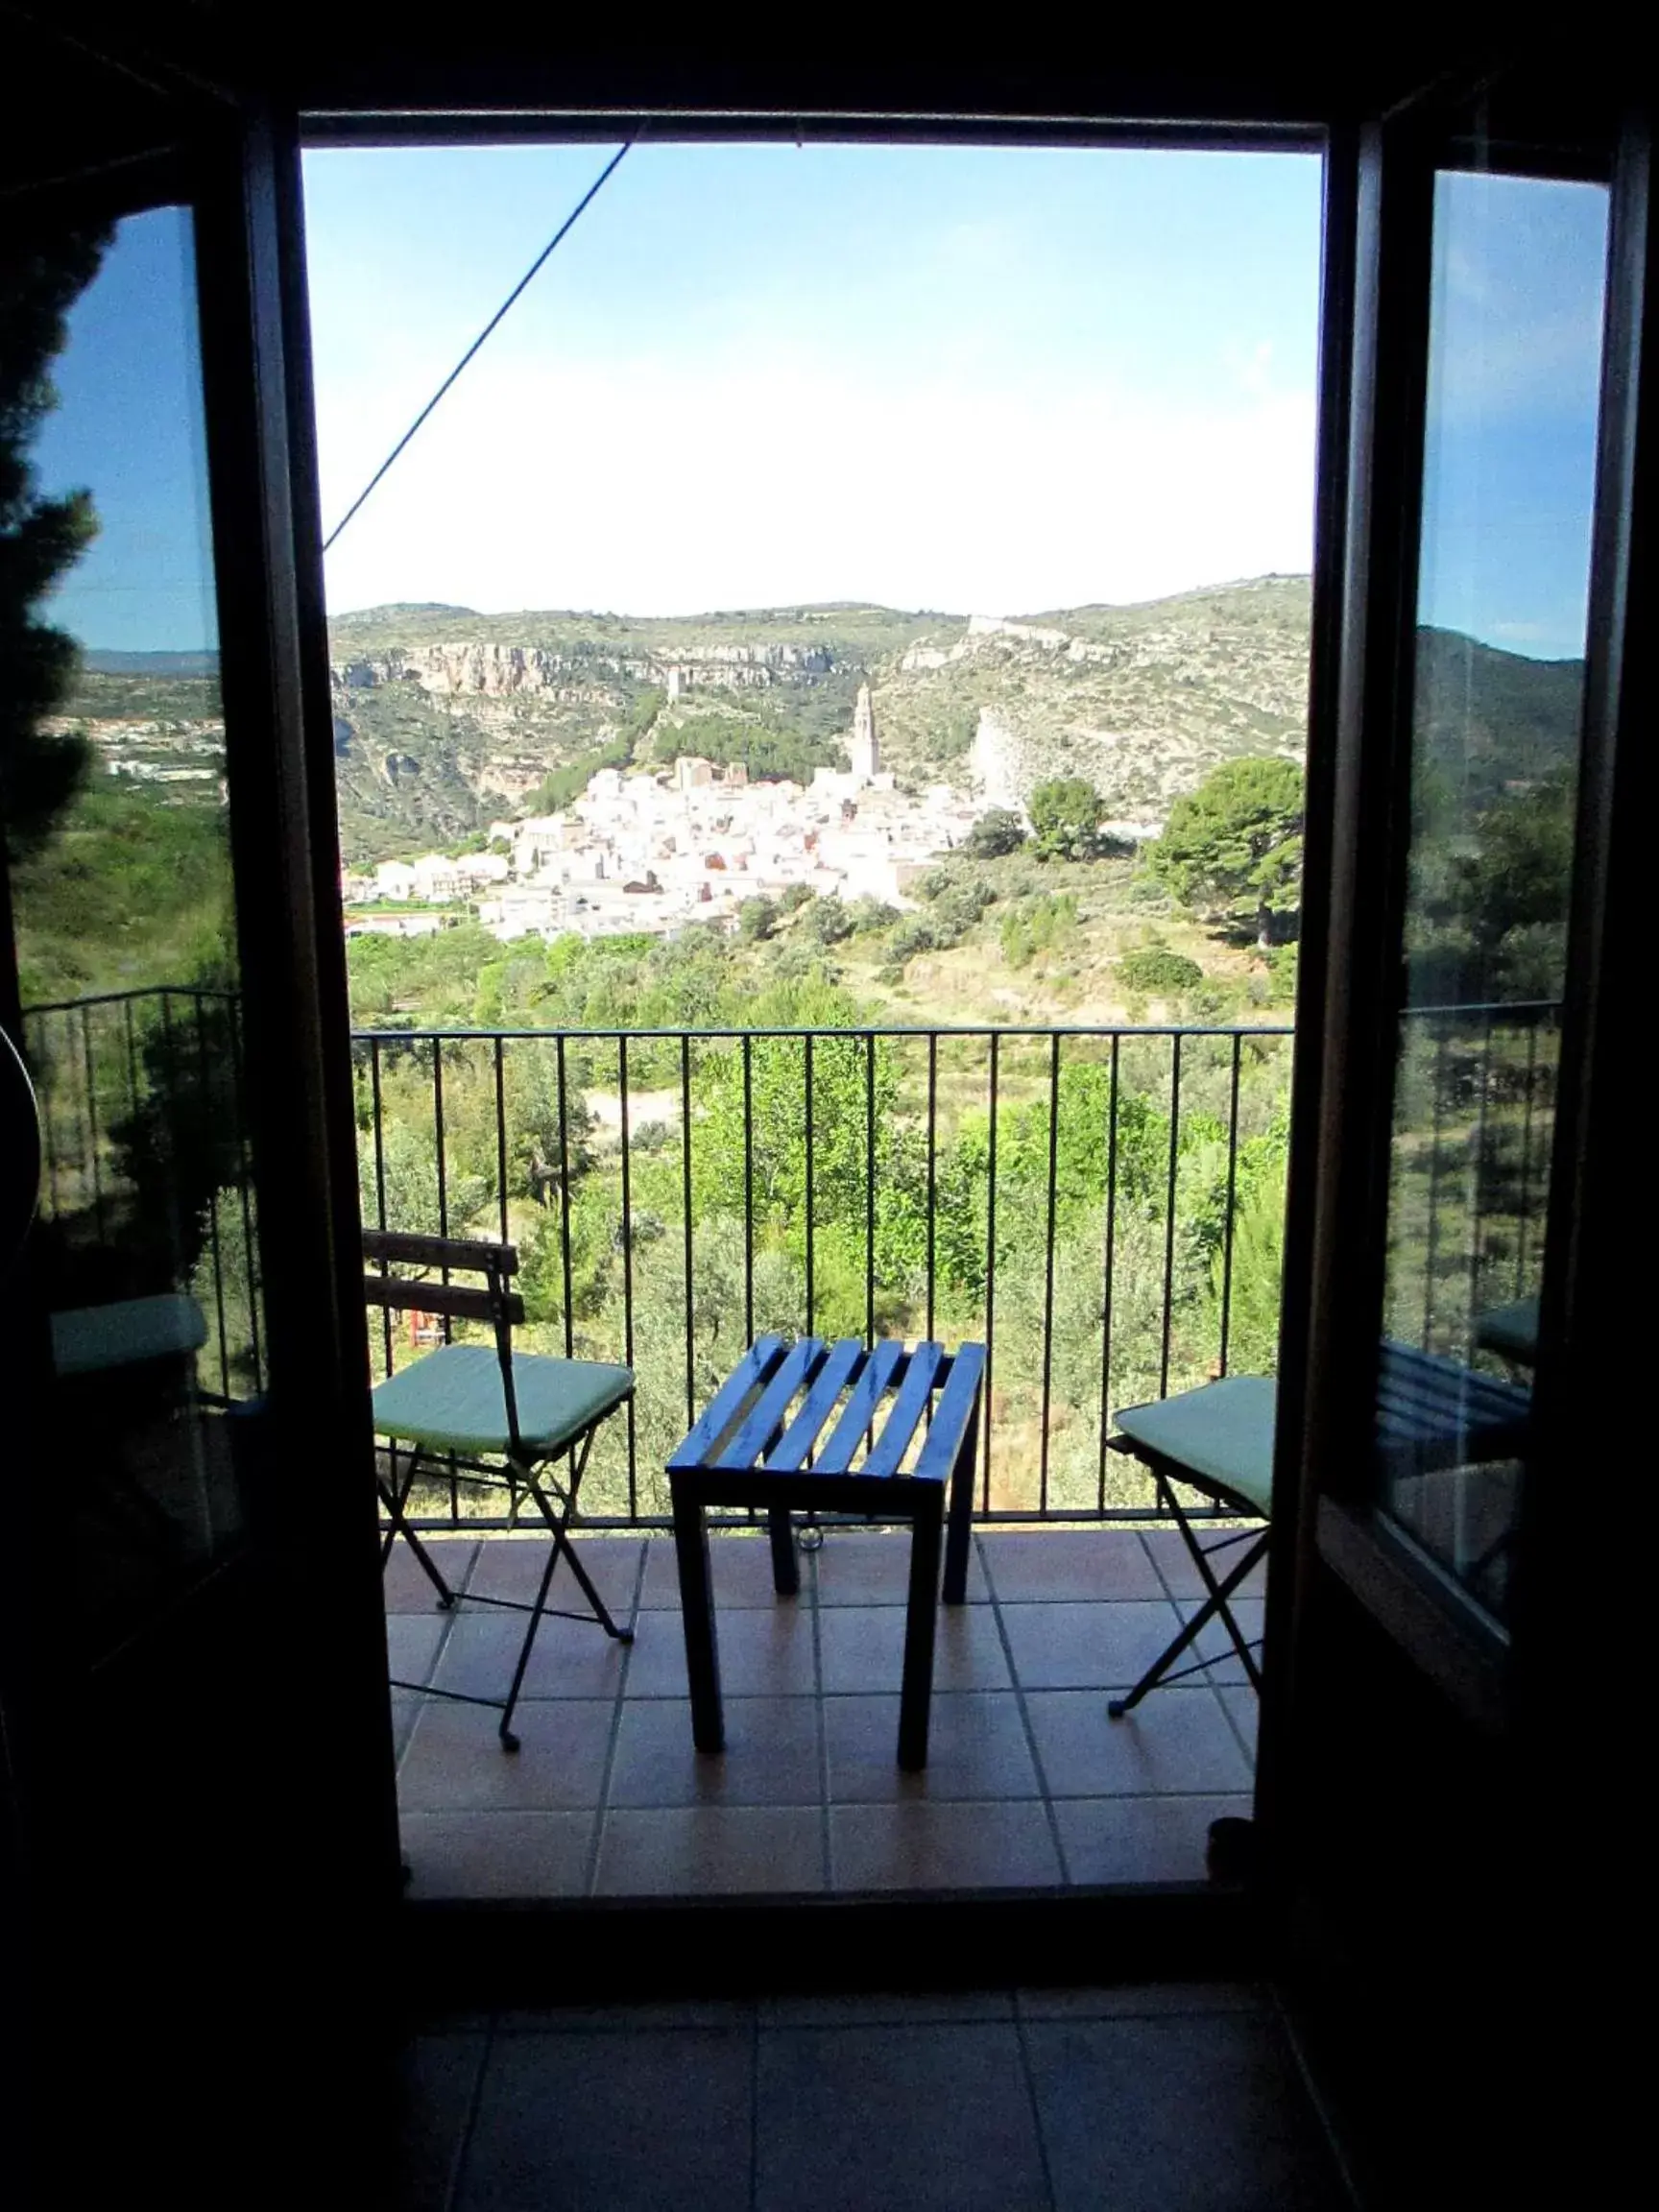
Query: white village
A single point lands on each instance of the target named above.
(650, 852)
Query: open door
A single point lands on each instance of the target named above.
(1430, 1771)
(197, 1742)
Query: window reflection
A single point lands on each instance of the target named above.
(121, 896)
(1509, 478)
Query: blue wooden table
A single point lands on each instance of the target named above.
(812, 1427)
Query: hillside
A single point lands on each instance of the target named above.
(444, 718)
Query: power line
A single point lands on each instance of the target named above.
(558, 236)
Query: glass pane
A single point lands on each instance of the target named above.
(1514, 367)
(117, 836)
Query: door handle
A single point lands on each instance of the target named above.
(20, 1153)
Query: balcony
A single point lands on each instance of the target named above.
(1099, 1207)
(1072, 1199)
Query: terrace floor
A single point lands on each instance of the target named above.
(1029, 1785)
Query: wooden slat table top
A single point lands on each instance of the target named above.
(1428, 1406)
(807, 1407)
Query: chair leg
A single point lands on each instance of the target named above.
(1215, 1603)
(561, 1547)
(559, 1524)
(395, 1502)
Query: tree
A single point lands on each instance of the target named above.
(1066, 815)
(996, 831)
(756, 920)
(1232, 850)
(40, 540)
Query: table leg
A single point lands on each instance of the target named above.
(785, 1567)
(962, 1480)
(697, 1612)
(921, 1622)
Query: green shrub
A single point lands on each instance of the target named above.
(1156, 969)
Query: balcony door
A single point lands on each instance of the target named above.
(198, 1748)
(1468, 1368)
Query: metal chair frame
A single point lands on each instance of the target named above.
(498, 1305)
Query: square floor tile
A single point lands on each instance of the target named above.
(764, 1651)
(455, 1761)
(1110, 1840)
(771, 1755)
(412, 1642)
(914, 2117)
(1087, 1647)
(497, 1854)
(863, 1648)
(711, 1851)
(857, 1566)
(569, 1659)
(977, 1748)
(939, 1846)
(1174, 1561)
(741, 1567)
(406, 1584)
(513, 1566)
(661, 2117)
(1171, 2113)
(1082, 1564)
(1175, 1740)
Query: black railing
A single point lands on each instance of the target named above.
(1473, 1126)
(146, 1184)
(1101, 1208)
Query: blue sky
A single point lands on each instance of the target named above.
(1515, 343)
(129, 426)
(980, 380)
(983, 379)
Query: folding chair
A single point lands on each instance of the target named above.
(1218, 1440)
(471, 1401)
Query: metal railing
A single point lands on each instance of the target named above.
(1096, 1205)
(1474, 1127)
(146, 1181)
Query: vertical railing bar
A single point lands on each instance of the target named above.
(1432, 1249)
(932, 1169)
(1527, 1161)
(245, 1178)
(685, 1195)
(810, 1285)
(438, 1139)
(628, 1273)
(45, 1067)
(203, 1065)
(92, 1120)
(380, 1220)
(131, 1058)
(1231, 1201)
(748, 1189)
(869, 1190)
(1111, 1260)
(990, 1280)
(564, 1194)
(501, 1135)
(1477, 1196)
(1048, 1269)
(1169, 1213)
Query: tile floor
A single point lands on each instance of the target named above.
(1173, 2096)
(1028, 1784)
